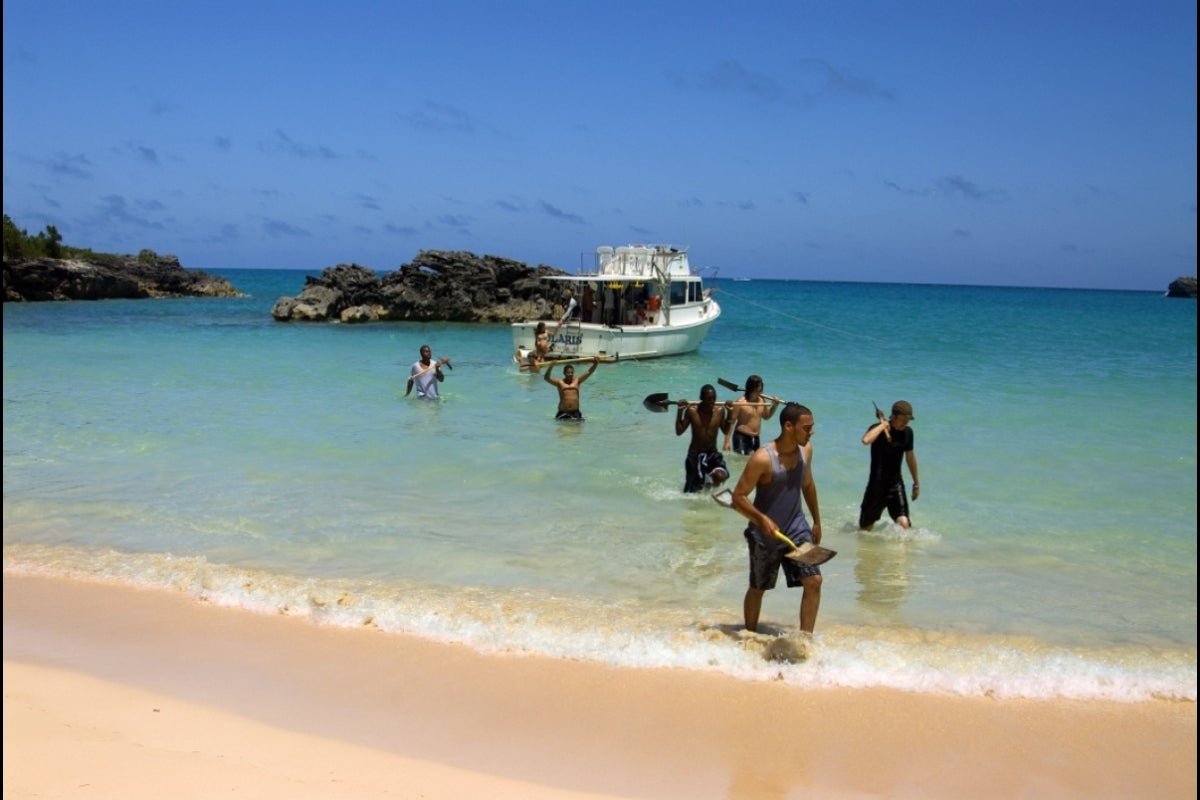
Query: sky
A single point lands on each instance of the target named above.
(1003, 143)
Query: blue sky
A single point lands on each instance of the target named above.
(1001, 143)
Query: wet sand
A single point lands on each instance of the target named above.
(112, 692)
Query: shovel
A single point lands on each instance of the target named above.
(735, 388)
(433, 366)
(603, 360)
(806, 553)
(661, 401)
(549, 362)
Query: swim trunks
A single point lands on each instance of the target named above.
(766, 559)
(877, 497)
(575, 415)
(699, 468)
(744, 443)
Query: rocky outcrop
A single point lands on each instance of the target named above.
(438, 286)
(108, 278)
(1182, 287)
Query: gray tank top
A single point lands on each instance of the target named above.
(781, 499)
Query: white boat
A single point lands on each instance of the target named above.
(641, 301)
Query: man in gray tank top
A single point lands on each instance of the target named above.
(780, 474)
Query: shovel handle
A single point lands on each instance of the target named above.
(736, 388)
(433, 366)
(887, 432)
(780, 535)
(725, 498)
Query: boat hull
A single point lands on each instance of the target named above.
(628, 342)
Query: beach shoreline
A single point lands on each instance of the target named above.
(125, 690)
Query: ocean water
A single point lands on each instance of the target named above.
(197, 445)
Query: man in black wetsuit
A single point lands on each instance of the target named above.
(891, 443)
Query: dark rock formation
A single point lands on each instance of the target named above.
(438, 286)
(1182, 287)
(108, 278)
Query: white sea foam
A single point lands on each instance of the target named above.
(620, 634)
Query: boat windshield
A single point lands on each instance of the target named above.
(686, 292)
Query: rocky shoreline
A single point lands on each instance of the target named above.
(113, 278)
(1182, 287)
(437, 286)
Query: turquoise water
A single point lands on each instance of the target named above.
(199, 445)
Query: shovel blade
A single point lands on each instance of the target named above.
(811, 554)
(657, 402)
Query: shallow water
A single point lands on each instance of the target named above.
(200, 445)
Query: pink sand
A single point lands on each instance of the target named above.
(112, 692)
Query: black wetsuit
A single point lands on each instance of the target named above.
(885, 487)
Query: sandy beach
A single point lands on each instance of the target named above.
(113, 692)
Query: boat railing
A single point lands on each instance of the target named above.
(626, 264)
(639, 260)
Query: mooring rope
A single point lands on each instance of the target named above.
(725, 291)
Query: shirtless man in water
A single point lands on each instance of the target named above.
(568, 389)
(704, 465)
(747, 415)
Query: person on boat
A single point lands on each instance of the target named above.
(543, 343)
(426, 374)
(704, 465)
(780, 475)
(569, 298)
(568, 389)
(891, 443)
(611, 295)
(654, 304)
(588, 305)
(747, 415)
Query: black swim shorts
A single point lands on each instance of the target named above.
(698, 469)
(879, 496)
(765, 561)
(744, 443)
